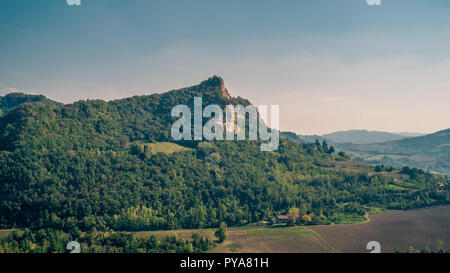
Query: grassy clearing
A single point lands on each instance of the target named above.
(258, 239)
(396, 187)
(375, 210)
(342, 219)
(166, 147)
(162, 147)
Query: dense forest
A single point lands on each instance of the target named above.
(12, 100)
(56, 241)
(84, 167)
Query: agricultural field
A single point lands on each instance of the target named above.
(420, 228)
(258, 239)
(427, 227)
(274, 239)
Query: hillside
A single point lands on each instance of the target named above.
(95, 165)
(312, 138)
(429, 152)
(292, 137)
(361, 137)
(12, 100)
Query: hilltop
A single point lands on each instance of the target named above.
(12, 100)
(96, 165)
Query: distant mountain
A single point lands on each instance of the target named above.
(292, 137)
(362, 137)
(313, 138)
(409, 134)
(352, 137)
(427, 152)
(12, 100)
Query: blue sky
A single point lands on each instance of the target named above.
(330, 65)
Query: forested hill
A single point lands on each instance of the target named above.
(100, 124)
(98, 165)
(12, 100)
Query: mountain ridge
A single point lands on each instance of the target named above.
(10, 101)
(89, 166)
(361, 136)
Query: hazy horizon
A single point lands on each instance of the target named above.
(331, 66)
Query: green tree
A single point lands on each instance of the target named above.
(221, 233)
(331, 150)
(325, 145)
(293, 215)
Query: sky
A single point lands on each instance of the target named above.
(331, 65)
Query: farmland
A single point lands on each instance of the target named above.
(273, 239)
(258, 239)
(394, 230)
(428, 227)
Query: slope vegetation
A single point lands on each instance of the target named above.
(85, 166)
